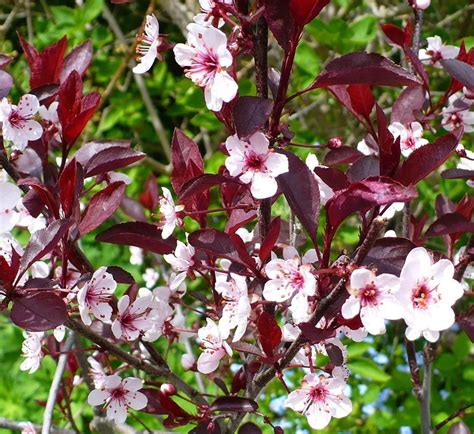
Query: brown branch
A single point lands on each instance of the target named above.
(458, 413)
(414, 369)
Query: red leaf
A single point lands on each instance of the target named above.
(270, 239)
(42, 242)
(39, 311)
(364, 195)
(70, 186)
(313, 334)
(364, 68)
(269, 332)
(6, 83)
(280, 21)
(460, 71)
(389, 148)
(102, 206)
(250, 114)
(395, 34)
(419, 68)
(363, 168)
(203, 183)
(304, 11)
(120, 275)
(334, 178)
(234, 403)
(410, 101)
(138, 234)
(301, 191)
(78, 60)
(361, 98)
(221, 245)
(342, 155)
(110, 159)
(458, 174)
(450, 223)
(150, 197)
(424, 160)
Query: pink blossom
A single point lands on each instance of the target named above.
(18, 124)
(148, 43)
(160, 311)
(206, 18)
(215, 347)
(97, 373)
(187, 361)
(288, 276)
(205, 59)
(150, 277)
(325, 191)
(32, 351)
(411, 137)
(118, 395)
(436, 50)
(96, 295)
(132, 319)
(168, 214)
(421, 4)
(254, 163)
(320, 398)
(457, 115)
(181, 261)
(236, 302)
(427, 294)
(373, 298)
(11, 196)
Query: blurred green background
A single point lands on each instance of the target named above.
(380, 382)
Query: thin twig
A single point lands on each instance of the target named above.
(456, 414)
(19, 426)
(414, 369)
(56, 383)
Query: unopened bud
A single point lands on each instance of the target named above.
(168, 389)
(421, 4)
(335, 143)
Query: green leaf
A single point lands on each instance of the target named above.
(91, 10)
(368, 369)
(307, 59)
(364, 30)
(462, 346)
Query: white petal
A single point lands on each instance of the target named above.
(28, 105)
(263, 186)
(351, 307)
(136, 400)
(97, 397)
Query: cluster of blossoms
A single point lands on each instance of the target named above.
(264, 293)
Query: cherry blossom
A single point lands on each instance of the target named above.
(181, 261)
(188, 361)
(148, 43)
(96, 372)
(118, 396)
(11, 196)
(132, 319)
(236, 308)
(325, 191)
(168, 213)
(136, 255)
(363, 147)
(159, 311)
(457, 115)
(96, 295)
(206, 18)
(411, 137)
(288, 276)
(320, 398)
(421, 4)
(254, 163)
(31, 349)
(436, 50)
(215, 347)
(150, 277)
(205, 59)
(373, 298)
(427, 292)
(18, 124)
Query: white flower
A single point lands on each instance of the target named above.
(325, 191)
(59, 333)
(373, 297)
(18, 124)
(97, 372)
(26, 220)
(168, 210)
(31, 349)
(320, 398)
(288, 276)
(245, 235)
(392, 209)
(132, 319)
(427, 292)
(95, 297)
(119, 395)
(148, 43)
(50, 114)
(254, 163)
(436, 50)
(236, 303)
(181, 261)
(160, 311)
(136, 255)
(411, 137)
(215, 347)
(205, 59)
(11, 196)
(457, 115)
(206, 18)
(363, 147)
(422, 4)
(150, 277)
(187, 361)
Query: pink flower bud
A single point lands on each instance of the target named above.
(421, 4)
(187, 360)
(168, 389)
(335, 143)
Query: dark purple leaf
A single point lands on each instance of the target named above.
(419, 68)
(467, 323)
(150, 196)
(234, 403)
(102, 206)
(112, 158)
(45, 92)
(269, 332)
(460, 71)
(280, 21)
(336, 179)
(270, 239)
(364, 68)
(133, 209)
(364, 195)
(313, 334)
(410, 101)
(304, 11)
(362, 99)
(363, 168)
(389, 147)
(395, 34)
(450, 223)
(87, 151)
(138, 234)
(120, 275)
(458, 174)
(388, 255)
(335, 354)
(6, 83)
(249, 428)
(221, 245)
(443, 205)
(301, 191)
(424, 160)
(244, 347)
(39, 311)
(153, 405)
(68, 188)
(342, 155)
(202, 183)
(43, 242)
(78, 60)
(5, 60)
(250, 114)
(341, 93)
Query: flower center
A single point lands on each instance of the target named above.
(254, 162)
(369, 294)
(318, 393)
(15, 119)
(421, 296)
(410, 142)
(118, 393)
(435, 55)
(204, 68)
(455, 120)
